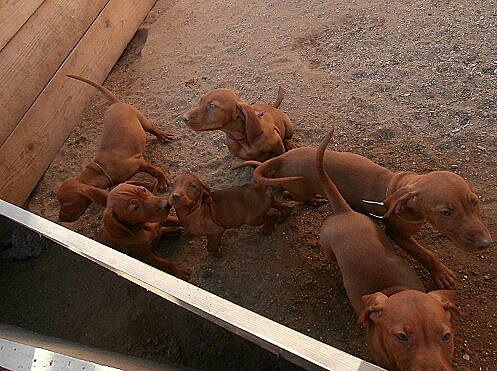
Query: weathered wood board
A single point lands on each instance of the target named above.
(35, 53)
(13, 14)
(32, 145)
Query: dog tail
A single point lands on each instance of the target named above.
(261, 177)
(108, 94)
(279, 98)
(254, 164)
(338, 203)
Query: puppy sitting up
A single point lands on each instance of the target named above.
(205, 213)
(132, 224)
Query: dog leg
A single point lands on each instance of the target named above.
(443, 276)
(163, 180)
(213, 241)
(148, 185)
(151, 128)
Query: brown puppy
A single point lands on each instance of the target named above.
(253, 132)
(443, 199)
(119, 157)
(132, 224)
(407, 328)
(205, 213)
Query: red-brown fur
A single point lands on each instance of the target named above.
(133, 223)
(253, 132)
(407, 328)
(410, 199)
(209, 213)
(119, 157)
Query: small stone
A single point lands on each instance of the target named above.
(454, 166)
(480, 148)
(487, 277)
(465, 357)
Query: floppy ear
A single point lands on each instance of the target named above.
(447, 298)
(252, 125)
(206, 194)
(97, 195)
(402, 199)
(373, 306)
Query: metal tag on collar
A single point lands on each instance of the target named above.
(373, 202)
(376, 216)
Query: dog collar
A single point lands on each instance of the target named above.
(105, 173)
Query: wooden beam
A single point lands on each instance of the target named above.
(30, 148)
(290, 344)
(36, 52)
(13, 14)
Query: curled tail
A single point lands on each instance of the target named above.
(338, 204)
(108, 94)
(261, 177)
(279, 98)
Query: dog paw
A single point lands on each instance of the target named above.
(444, 277)
(166, 137)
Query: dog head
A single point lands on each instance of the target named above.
(222, 109)
(137, 205)
(188, 192)
(74, 198)
(447, 201)
(410, 330)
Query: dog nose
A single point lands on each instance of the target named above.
(176, 196)
(186, 118)
(482, 242)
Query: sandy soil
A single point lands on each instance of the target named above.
(411, 85)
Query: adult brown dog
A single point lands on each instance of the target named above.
(407, 329)
(205, 213)
(118, 158)
(253, 132)
(441, 198)
(133, 224)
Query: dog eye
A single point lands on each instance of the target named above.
(446, 212)
(192, 186)
(401, 337)
(211, 106)
(446, 337)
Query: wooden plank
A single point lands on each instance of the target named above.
(36, 52)
(292, 345)
(30, 148)
(13, 14)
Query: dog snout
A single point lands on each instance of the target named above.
(176, 196)
(482, 242)
(185, 118)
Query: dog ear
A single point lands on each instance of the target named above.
(447, 298)
(206, 194)
(97, 195)
(402, 199)
(373, 306)
(252, 125)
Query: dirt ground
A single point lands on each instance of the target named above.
(411, 85)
